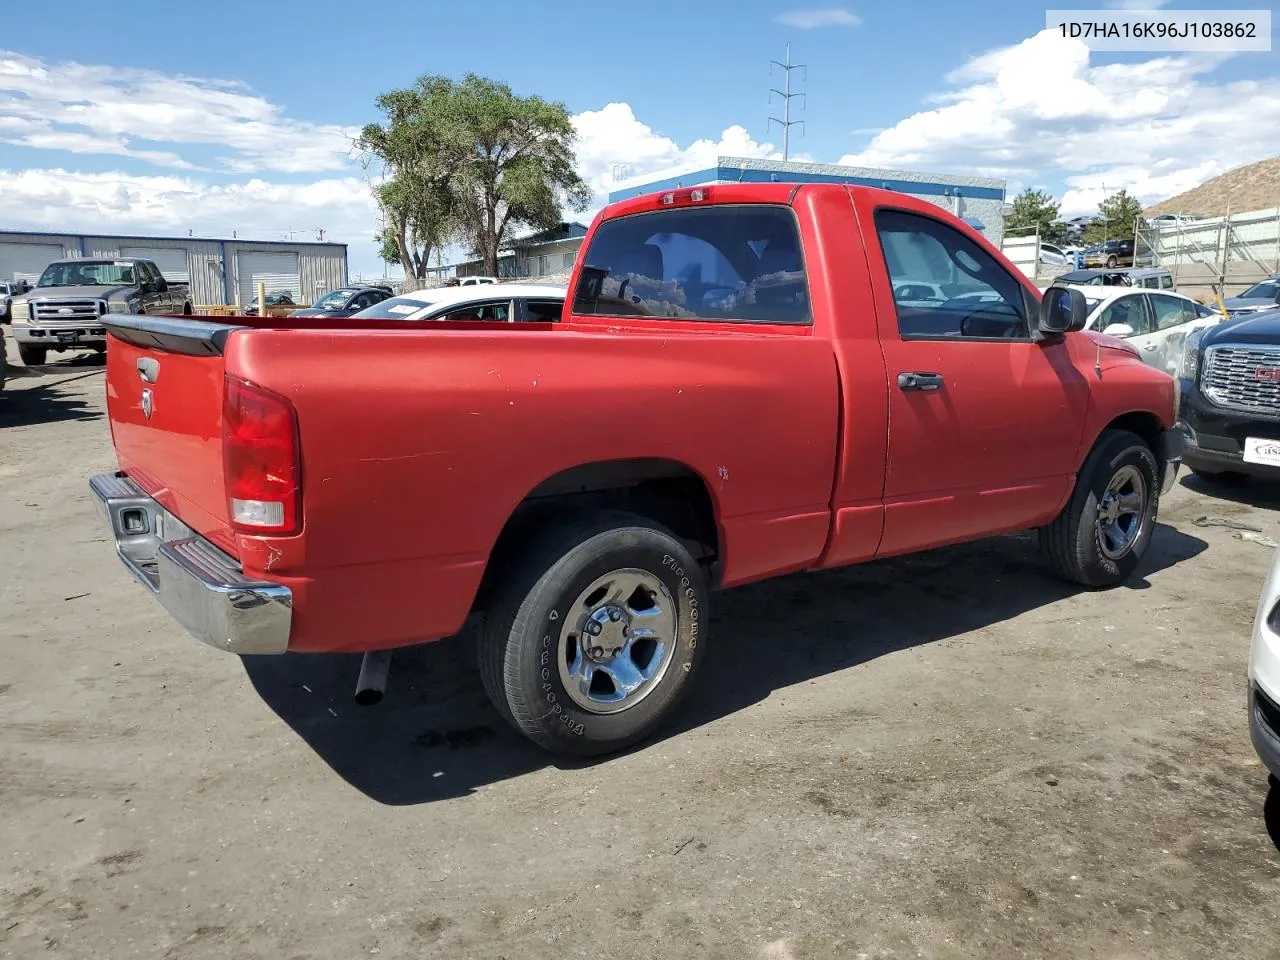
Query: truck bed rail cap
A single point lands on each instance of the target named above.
(173, 334)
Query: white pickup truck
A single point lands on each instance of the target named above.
(65, 311)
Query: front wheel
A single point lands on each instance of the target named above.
(596, 634)
(32, 355)
(1112, 262)
(1105, 528)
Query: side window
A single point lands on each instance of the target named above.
(498, 312)
(542, 311)
(945, 285)
(1130, 311)
(1166, 282)
(723, 262)
(1169, 311)
(1202, 311)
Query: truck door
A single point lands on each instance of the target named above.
(984, 421)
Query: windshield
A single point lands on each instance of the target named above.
(334, 301)
(1266, 290)
(397, 308)
(87, 273)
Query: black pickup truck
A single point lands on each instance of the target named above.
(65, 310)
(1229, 398)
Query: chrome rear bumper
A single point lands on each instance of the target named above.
(201, 587)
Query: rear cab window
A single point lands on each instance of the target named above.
(731, 262)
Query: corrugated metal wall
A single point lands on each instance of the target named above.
(321, 266)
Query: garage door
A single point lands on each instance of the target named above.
(278, 271)
(172, 263)
(26, 261)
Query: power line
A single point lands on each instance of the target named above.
(785, 93)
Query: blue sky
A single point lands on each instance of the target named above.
(237, 116)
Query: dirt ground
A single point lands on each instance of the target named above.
(951, 755)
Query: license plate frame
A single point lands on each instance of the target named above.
(68, 337)
(1262, 451)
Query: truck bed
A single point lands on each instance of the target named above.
(396, 419)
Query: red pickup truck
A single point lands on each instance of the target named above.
(748, 380)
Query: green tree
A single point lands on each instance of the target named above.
(1035, 209)
(414, 190)
(1118, 216)
(470, 161)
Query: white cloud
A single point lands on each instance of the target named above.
(819, 17)
(65, 200)
(1038, 110)
(614, 144)
(92, 109)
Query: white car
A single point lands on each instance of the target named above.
(1264, 673)
(1054, 256)
(501, 303)
(1156, 322)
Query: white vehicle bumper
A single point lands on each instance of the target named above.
(1264, 673)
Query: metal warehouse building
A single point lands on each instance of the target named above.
(218, 271)
(975, 199)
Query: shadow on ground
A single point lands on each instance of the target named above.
(1250, 491)
(23, 404)
(436, 736)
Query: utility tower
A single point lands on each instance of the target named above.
(787, 96)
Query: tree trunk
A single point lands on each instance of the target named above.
(406, 256)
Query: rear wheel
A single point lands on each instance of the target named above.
(595, 635)
(1105, 528)
(31, 354)
(1112, 261)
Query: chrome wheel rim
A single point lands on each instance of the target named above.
(1122, 512)
(617, 640)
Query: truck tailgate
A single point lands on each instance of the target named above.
(164, 399)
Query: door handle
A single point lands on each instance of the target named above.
(1150, 346)
(919, 381)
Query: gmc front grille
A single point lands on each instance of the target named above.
(70, 312)
(1246, 377)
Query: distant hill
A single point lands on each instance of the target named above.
(1252, 187)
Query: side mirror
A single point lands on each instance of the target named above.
(1062, 311)
(1118, 330)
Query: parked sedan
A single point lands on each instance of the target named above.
(501, 303)
(1156, 323)
(344, 302)
(1259, 297)
(280, 298)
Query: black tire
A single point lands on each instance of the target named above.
(32, 355)
(1073, 541)
(520, 640)
(187, 310)
(1112, 262)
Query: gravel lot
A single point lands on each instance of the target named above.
(951, 755)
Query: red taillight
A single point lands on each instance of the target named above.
(260, 459)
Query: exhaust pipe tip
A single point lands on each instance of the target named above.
(371, 685)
